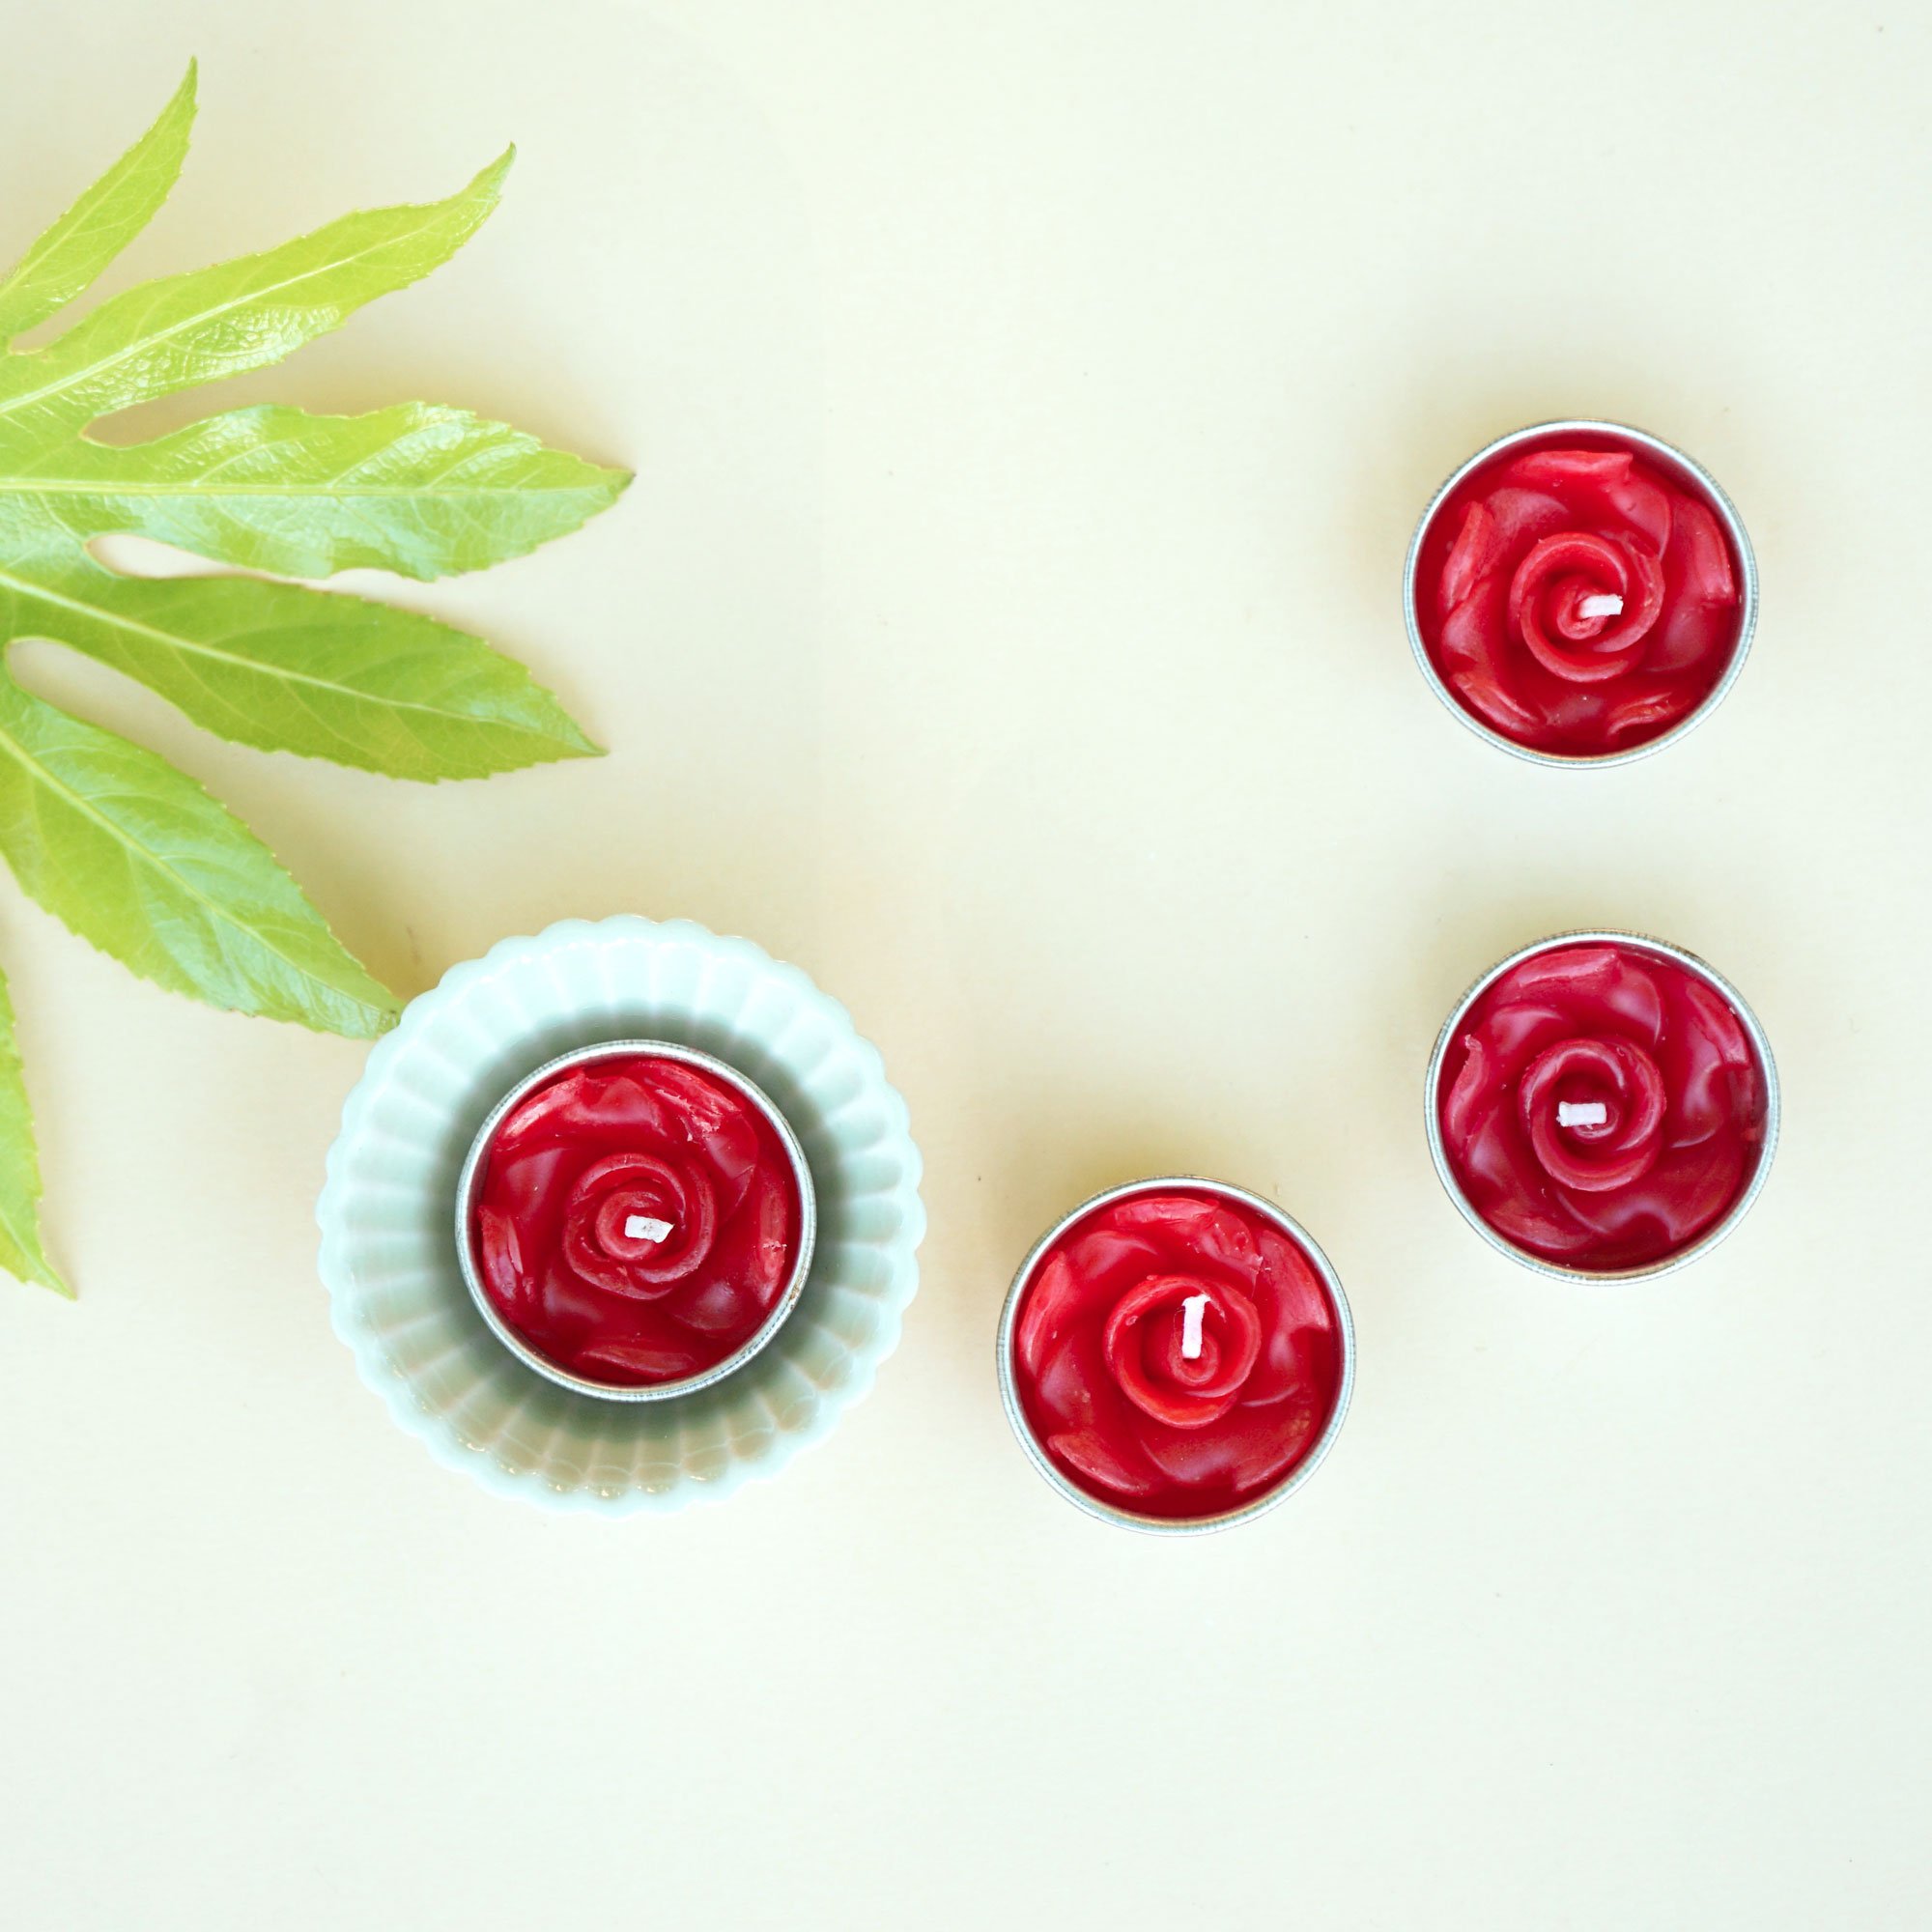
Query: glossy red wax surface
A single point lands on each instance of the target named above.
(635, 1138)
(1515, 551)
(1100, 1369)
(1659, 1050)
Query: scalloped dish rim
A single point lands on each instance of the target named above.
(396, 1386)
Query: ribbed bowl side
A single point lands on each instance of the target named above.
(388, 1205)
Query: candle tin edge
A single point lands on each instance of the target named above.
(1732, 1215)
(469, 1178)
(1296, 1475)
(1720, 503)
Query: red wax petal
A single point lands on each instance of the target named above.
(535, 1118)
(608, 1191)
(569, 1311)
(1606, 485)
(1224, 1239)
(1493, 702)
(1525, 517)
(1679, 1082)
(1497, 1160)
(768, 1252)
(520, 1182)
(1101, 1365)
(1196, 1459)
(1235, 1331)
(1051, 1303)
(1517, 651)
(1104, 1468)
(1123, 1344)
(1164, 1216)
(1475, 553)
(643, 1115)
(1240, 1462)
(715, 1307)
(1318, 1353)
(1473, 631)
(1703, 555)
(1589, 979)
(1108, 1260)
(1561, 571)
(1646, 507)
(1297, 1319)
(1517, 1030)
(1475, 1094)
(1537, 1226)
(1644, 714)
(1682, 1198)
(636, 1362)
(501, 1257)
(718, 1121)
(1167, 1359)
(1068, 1385)
(1604, 1069)
(1567, 472)
(1563, 974)
(608, 1103)
(636, 1141)
(1690, 634)
(1697, 1185)
(1705, 1059)
(1294, 1293)
(1263, 1455)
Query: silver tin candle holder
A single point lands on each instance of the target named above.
(471, 1181)
(1680, 469)
(1293, 1478)
(1659, 949)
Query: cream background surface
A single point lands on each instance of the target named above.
(1031, 402)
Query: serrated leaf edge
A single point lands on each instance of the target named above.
(585, 748)
(386, 1015)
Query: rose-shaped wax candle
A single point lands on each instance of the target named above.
(1176, 1353)
(1604, 1104)
(1580, 591)
(637, 1219)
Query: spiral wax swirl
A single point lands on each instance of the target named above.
(1176, 1354)
(1602, 1106)
(638, 1220)
(1576, 600)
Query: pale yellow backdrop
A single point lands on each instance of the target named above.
(1031, 402)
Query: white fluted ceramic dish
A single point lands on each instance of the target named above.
(388, 1256)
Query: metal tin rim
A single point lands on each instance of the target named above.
(1159, 1526)
(1753, 1188)
(808, 1230)
(1672, 457)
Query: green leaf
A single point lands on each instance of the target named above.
(20, 1252)
(101, 223)
(416, 488)
(140, 861)
(185, 329)
(291, 669)
(134, 856)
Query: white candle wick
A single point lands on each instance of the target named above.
(1191, 1311)
(1603, 604)
(1581, 1113)
(644, 1227)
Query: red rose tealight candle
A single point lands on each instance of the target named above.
(1580, 593)
(1602, 1106)
(634, 1220)
(1176, 1356)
